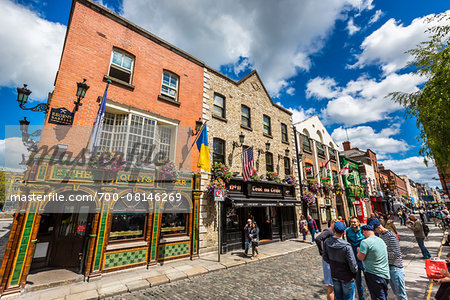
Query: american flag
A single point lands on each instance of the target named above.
(247, 163)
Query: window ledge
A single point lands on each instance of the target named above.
(175, 239)
(125, 245)
(268, 135)
(247, 128)
(118, 81)
(307, 151)
(168, 100)
(219, 118)
(284, 142)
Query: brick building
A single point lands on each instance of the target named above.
(395, 187)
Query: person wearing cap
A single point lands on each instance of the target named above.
(373, 254)
(396, 271)
(354, 237)
(339, 255)
(247, 230)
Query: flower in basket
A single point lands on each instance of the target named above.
(108, 161)
(168, 171)
(221, 171)
(273, 176)
(308, 198)
(327, 188)
(215, 184)
(313, 186)
(255, 175)
(290, 179)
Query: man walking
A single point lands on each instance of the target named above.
(373, 254)
(247, 230)
(416, 226)
(354, 237)
(320, 240)
(396, 270)
(339, 254)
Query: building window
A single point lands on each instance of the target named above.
(218, 151)
(138, 137)
(320, 150)
(306, 144)
(126, 226)
(269, 162)
(219, 106)
(332, 154)
(169, 85)
(284, 133)
(309, 171)
(245, 116)
(121, 66)
(267, 125)
(174, 223)
(287, 166)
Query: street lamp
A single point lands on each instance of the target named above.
(198, 127)
(241, 141)
(286, 152)
(82, 88)
(22, 98)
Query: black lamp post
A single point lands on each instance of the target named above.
(82, 88)
(286, 152)
(198, 127)
(267, 146)
(22, 98)
(241, 141)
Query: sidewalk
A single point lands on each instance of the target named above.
(141, 278)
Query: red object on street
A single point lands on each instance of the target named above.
(434, 267)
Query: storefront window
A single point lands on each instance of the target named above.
(127, 226)
(174, 223)
(231, 219)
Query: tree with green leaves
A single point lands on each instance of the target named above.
(430, 105)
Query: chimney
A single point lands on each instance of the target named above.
(346, 145)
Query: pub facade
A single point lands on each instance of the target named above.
(239, 115)
(143, 206)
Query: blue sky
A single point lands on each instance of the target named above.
(337, 58)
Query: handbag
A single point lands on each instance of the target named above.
(434, 267)
(398, 236)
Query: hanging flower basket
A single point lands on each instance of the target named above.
(290, 179)
(255, 176)
(221, 171)
(327, 188)
(309, 198)
(273, 176)
(168, 171)
(106, 165)
(313, 186)
(215, 184)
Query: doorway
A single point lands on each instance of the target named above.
(62, 236)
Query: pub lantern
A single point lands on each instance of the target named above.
(82, 88)
(22, 98)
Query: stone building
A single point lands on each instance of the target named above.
(319, 163)
(239, 115)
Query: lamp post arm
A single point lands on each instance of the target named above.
(41, 107)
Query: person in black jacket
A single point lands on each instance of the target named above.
(339, 254)
(320, 239)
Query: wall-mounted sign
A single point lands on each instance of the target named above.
(61, 116)
(309, 172)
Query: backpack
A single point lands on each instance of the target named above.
(426, 229)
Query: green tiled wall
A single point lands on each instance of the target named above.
(101, 237)
(125, 258)
(173, 250)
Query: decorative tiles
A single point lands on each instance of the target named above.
(101, 237)
(119, 259)
(166, 251)
(194, 230)
(155, 231)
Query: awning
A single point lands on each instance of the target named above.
(260, 202)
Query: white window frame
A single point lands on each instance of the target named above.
(171, 74)
(111, 63)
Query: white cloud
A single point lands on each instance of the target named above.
(300, 114)
(320, 88)
(276, 39)
(31, 49)
(376, 16)
(290, 91)
(415, 169)
(365, 137)
(351, 27)
(11, 159)
(364, 100)
(387, 45)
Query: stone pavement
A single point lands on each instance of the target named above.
(284, 270)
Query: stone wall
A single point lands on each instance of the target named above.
(250, 92)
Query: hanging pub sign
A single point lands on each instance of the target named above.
(61, 116)
(309, 172)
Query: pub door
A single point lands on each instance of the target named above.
(287, 218)
(62, 238)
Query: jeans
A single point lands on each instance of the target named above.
(397, 282)
(422, 247)
(378, 286)
(247, 245)
(403, 221)
(313, 232)
(343, 290)
(359, 283)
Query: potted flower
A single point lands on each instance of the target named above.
(168, 171)
(255, 176)
(309, 198)
(327, 188)
(313, 186)
(273, 176)
(222, 171)
(108, 162)
(215, 184)
(290, 179)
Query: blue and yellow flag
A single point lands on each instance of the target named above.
(203, 148)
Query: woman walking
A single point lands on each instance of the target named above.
(303, 225)
(312, 227)
(254, 235)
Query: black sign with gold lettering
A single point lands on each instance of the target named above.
(61, 116)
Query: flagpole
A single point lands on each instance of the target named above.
(90, 136)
